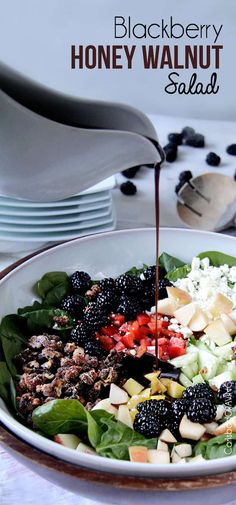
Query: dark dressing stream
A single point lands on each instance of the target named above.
(157, 220)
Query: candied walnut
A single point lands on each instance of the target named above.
(69, 347)
(48, 364)
(47, 376)
(71, 373)
(78, 355)
(98, 386)
(25, 403)
(24, 357)
(32, 365)
(38, 341)
(52, 389)
(93, 292)
(89, 377)
(65, 362)
(30, 381)
(50, 354)
(91, 362)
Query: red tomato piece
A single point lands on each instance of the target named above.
(107, 342)
(143, 319)
(177, 347)
(128, 340)
(117, 319)
(142, 348)
(108, 330)
(119, 346)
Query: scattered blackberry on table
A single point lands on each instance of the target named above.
(187, 131)
(235, 175)
(128, 306)
(179, 408)
(201, 410)
(185, 176)
(175, 138)
(94, 317)
(231, 149)
(147, 425)
(213, 159)
(170, 152)
(94, 348)
(128, 188)
(80, 282)
(73, 304)
(79, 334)
(198, 391)
(130, 172)
(195, 140)
(227, 393)
(162, 285)
(178, 187)
(107, 284)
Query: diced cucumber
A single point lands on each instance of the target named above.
(185, 380)
(208, 362)
(198, 379)
(185, 360)
(224, 352)
(190, 370)
(223, 377)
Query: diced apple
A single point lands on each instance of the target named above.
(167, 306)
(85, 449)
(228, 427)
(132, 387)
(228, 323)
(199, 320)
(158, 457)
(218, 333)
(175, 390)
(106, 405)
(192, 431)
(117, 395)
(175, 457)
(182, 461)
(197, 459)
(183, 450)
(68, 440)
(162, 446)
(124, 416)
(210, 427)
(220, 304)
(232, 315)
(156, 384)
(166, 436)
(185, 313)
(138, 454)
(220, 410)
(180, 296)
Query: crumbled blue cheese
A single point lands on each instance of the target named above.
(204, 281)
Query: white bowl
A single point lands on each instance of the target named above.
(112, 254)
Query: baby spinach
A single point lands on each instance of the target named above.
(5, 378)
(61, 416)
(13, 337)
(217, 258)
(52, 288)
(137, 271)
(178, 273)
(40, 317)
(169, 263)
(217, 447)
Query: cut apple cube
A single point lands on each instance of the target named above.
(232, 315)
(175, 457)
(228, 426)
(124, 416)
(162, 446)
(197, 459)
(156, 384)
(199, 320)
(185, 313)
(85, 449)
(192, 431)
(211, 427)
(217, 332)
(228, 323)
(175, 390)
(220, 410)
(132, 387)
(138, 454)
(167, 306)
(158, 457)
(106, 405)
(179, 296)
(220, 304)
(117, 395)
(166, 436)
(68, 440)
(183, 450)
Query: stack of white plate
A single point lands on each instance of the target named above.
(26, 225)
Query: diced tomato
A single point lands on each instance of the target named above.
(177, 347)
(144, 331)
(117, 337)
(135, 328)
(124, 328)
(119, 346)
(117, 319)
(143, 319)
(142, 348)
(107, 342)
(108, 330)
(128, 340)
(163, 349)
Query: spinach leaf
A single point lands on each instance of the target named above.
(53, 287)
(217, 258)
(169, 262)
(5, 378)
(61, 416)
(13, 337)
(94, 430)
(217, 447)
(117, 439)
(178, 273)
(40, 318)
(137, 271)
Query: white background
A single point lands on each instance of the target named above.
(36, 36)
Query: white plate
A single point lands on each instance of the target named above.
(72, 223)
(51, 211)
(111, 254)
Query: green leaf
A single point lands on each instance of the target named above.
(94, 430)
(13, 336)
(53, 287)
(217, 447)
(5, 378)
(178, 273)
(169, 262)
(137, 271)
(61, 416)
(40, 318)
(217, 258)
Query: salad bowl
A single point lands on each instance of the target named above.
(104, 479)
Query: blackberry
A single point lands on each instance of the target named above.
(147, 425)
(73, 304)
(175, 138)
(213, 159)
(128, 188)
(127, 284)
(198, 391)
(148, 296)
(231, 149)
(80, 282)
(94, 348)
(179, 408)
(187, 132)
(164, 409)
(162, 284)
(201, 410)
(94, 317)
(148, 406)
(185, 176)
(79, 334)
(107, 284)
(173, 426)
(128, 306)
(179, 186)
(130, 172)
(149, 274)
(227, 393)
(235, 175)
(195, 140)
(107, 301)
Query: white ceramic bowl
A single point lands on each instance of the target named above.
(112, 254)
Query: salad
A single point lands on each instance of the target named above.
(79, 366)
